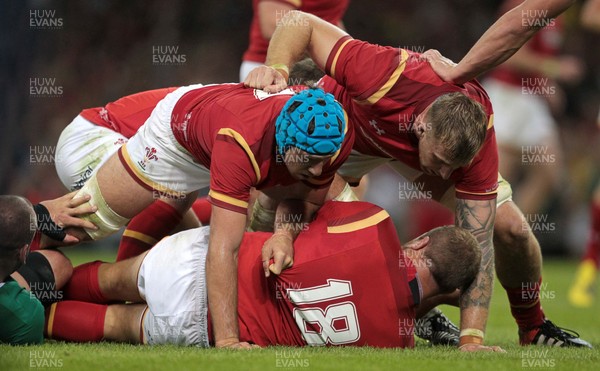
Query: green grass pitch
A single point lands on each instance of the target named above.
(501, 330)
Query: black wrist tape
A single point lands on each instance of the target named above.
(46, 225)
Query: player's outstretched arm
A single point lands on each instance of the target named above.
(296, 33)
(477, 216)
(226, 233)
(502, 39)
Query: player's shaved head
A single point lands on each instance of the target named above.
(17, 223)
(454, 257)
(459, 123)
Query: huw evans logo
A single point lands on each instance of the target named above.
(44, 19)
(167, 55)
(44, 87)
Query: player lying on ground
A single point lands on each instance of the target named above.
(351, 284)
(434, 134)
(231, 138)
(28, 280)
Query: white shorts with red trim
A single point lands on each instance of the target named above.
(155, 159)
(82, 148)
(358, 165)
(172, 281)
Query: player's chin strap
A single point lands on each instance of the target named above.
(471, 336)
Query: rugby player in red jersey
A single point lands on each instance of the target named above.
(428, 129)
(351, 284)
(230, 138)
(95, 135)
(268, 13)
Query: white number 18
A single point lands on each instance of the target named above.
(337, 325)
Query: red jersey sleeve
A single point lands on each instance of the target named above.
(479, 181)
(232, 172)
(352, 64)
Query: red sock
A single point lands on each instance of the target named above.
(84, 286)
(592, 251)
(147, 228)
(75, 321)
(525, 305)
(202, 208)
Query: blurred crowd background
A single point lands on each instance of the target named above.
(103, 50)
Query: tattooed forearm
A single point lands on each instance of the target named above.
(478, 217)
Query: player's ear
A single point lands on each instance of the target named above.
(23, 252)
(421, 125)
(417, 244)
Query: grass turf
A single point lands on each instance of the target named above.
(501, 331)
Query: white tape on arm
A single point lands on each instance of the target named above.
(107, 221)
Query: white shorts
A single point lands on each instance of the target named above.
(158, 160)
(520, 119)
(358, 164)
(82, 147)
(172, 281)
(246, 67)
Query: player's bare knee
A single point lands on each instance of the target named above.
(511, 229)
(118, 281)
(61, 266)
(181, 203)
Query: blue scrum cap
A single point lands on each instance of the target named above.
(312, 121)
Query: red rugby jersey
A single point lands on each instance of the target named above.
(127, 114)
(331, 11)
(384, 89)
(230, 129)
(546, 42)
(349, 284)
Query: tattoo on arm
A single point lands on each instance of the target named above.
(477, 216)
